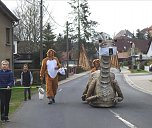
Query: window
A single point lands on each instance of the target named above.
(14, 51)
(8, 36)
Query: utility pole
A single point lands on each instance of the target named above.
(78, 32)
(67, 50)
(34, 23)
(41, 25)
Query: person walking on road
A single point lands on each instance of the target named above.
(49, 68)
(6, 82)
(96, 66)
(26, 81)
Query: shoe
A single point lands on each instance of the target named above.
(2, 122)
(25, 99)
(7, 119)
(83, 97)
(50, 102)
(53, 100)
(2, 117)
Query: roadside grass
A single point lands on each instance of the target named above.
(17, 98)
(138, 71)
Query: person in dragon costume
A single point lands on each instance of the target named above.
(103, 89)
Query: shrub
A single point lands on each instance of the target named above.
(79, 70)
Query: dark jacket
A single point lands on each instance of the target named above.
(6, 78)
(26, 78)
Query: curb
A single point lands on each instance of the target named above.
(75, 76)
(131, 83)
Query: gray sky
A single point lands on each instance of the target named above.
(112, 15)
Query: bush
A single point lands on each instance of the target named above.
(142, 66)
(125, 63)
(135, 67)
(79, 70)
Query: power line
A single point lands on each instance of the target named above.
(47, 12)
(53, 18)
(31, 3)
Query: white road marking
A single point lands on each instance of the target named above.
(127, 123)
(60, 90)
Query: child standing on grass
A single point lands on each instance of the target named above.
(26, 81)
(6, 82)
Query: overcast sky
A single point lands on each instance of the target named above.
(112, 15)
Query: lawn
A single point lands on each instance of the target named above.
(17, 98)
(138, 71)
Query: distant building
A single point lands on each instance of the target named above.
(149, 51)
(101, 35)
(124, 44)
(124, 33)
(104, 35)
(7, 22)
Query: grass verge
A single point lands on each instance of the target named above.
(17, 98)
(138, 71)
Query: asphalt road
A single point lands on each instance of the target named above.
(70, 112)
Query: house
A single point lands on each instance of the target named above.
(149, 51)
(25, 52)
(124, 44)
(7, 22)
(123, 56)
(15, 42)
(104, 35)
(125, 33)
(144, 32)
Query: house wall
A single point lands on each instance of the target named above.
(5, 50)
(149, 53)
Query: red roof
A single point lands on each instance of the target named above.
(123, 44)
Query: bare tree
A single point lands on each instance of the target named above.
(28, 13)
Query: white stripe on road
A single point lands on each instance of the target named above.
(60, 90)
(130, 125)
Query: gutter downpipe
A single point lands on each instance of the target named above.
(13, 26)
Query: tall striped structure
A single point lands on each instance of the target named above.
(114, 61)
(101, 86)
(83, 60)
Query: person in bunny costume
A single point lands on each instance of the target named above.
(49, 68)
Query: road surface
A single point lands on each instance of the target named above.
(70, 112)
